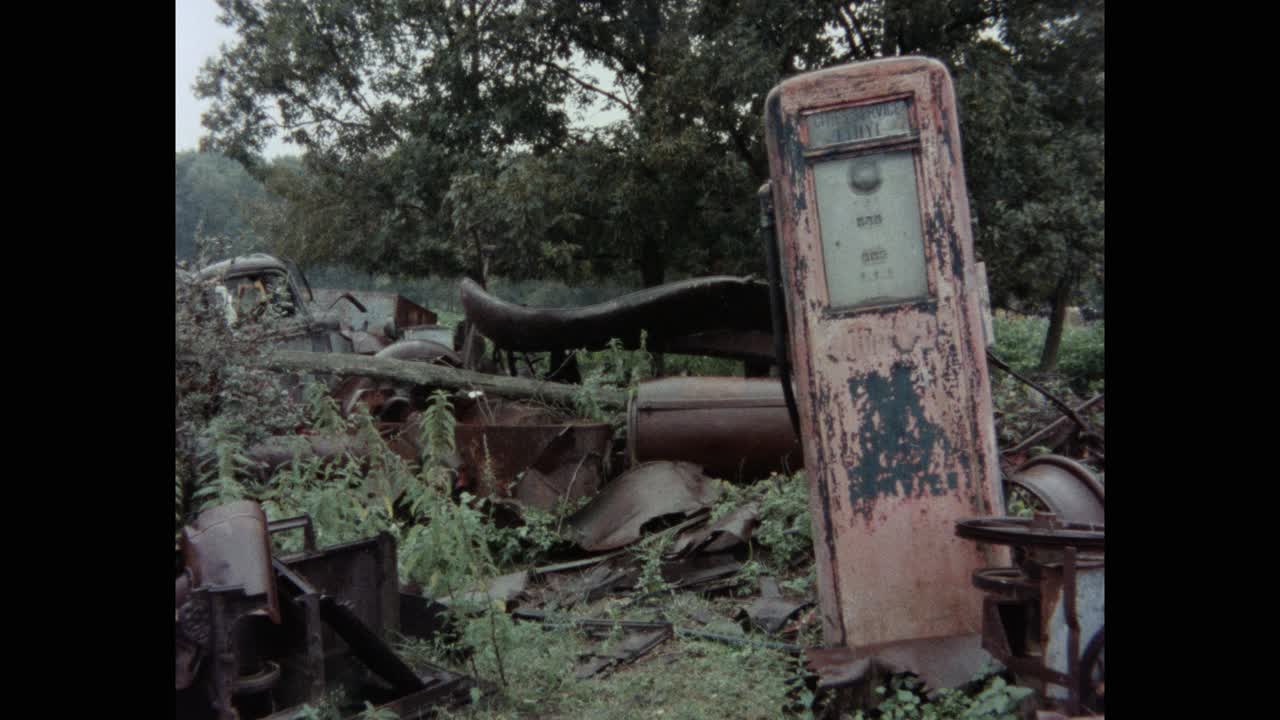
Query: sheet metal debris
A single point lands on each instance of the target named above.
(770, 612)
(426, 351)
(719, 535)
(589, 586)
(505, 588)
(541, 465)
(615, 516)
(374, 311)
(942, 662)
(635, 643)
(701, 571)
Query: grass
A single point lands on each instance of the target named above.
(681, 678)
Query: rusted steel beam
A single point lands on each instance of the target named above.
(436, 376)
(668, 311)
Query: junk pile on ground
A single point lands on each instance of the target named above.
(258, 636)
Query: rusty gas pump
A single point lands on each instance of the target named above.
(886, 345)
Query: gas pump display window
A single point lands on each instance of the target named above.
(868, 209)
(863, 122)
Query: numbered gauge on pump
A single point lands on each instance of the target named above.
(868, 209)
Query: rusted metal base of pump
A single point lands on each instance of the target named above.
(942, 662)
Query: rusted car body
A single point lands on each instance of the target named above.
(258, 285)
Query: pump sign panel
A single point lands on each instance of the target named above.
(887, 344)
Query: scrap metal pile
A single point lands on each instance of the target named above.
(259, 635)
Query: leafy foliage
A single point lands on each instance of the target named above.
(223, 400)
(442, 137)
(904, 699)
(783, 528)
(216, 197)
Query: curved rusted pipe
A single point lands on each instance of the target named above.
(667, 311)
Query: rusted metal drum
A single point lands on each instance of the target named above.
(735, 428)
(537, 464)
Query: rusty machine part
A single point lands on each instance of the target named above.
(228, 545)
(335, 606)
(720, 314)
(1036, 615)
(372, 310)
(735, 428)
(421, 351)
(539, 465)
(1067, 488)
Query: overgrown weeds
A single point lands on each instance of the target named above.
(1021, 410)
(783, 529)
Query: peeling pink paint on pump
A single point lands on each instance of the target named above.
(887, 345)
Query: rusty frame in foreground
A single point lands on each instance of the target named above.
(1036, 616)
(258, 637)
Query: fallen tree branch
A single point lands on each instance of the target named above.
(436, 376)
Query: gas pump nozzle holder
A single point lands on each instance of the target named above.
(887, 345)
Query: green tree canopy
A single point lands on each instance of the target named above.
(447, 136)
(215, 197)
(1034, 137)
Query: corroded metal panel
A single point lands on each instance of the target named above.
(890, 373)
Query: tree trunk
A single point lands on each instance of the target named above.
(1057, 321)
(436, 376)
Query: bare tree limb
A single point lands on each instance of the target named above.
(586, 85)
